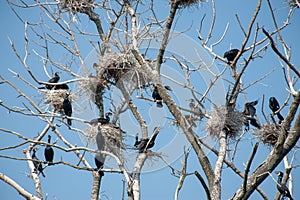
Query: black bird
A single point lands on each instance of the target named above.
(284, 191)
(67, 106)
(137, 142)
(100, 140)
(168, 88)
(61, 87)
(231, 54)
(99, 161)
(101, 120)
(142, 144)
(274, 106)
(54, 79)
(249, 112)
(157, 97)
(37, 163)
(49, 152)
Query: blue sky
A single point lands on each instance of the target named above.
(62, 182)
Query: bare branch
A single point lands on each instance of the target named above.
(20, 189)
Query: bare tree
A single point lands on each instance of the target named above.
(131, 51)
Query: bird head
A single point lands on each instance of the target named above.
(279, 173)
(57, 73)
(272, 99)
(108, 114)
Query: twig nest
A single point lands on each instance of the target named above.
(92, 86)
(116, 67)
(56, 98)
(187, 3)
(268, 134)
(112, 66)
(220, 119)
(77, 5)
(113, 136)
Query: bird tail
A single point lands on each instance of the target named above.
(280, 117)
(254, 123)
(159, 104)
(43, 174)
(41, 88)
(69, 122)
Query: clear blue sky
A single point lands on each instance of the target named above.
(62, 182)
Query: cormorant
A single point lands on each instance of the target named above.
(61, 87)
(284, 191)
(142, 144)
(101, 120)
(249, 112)
(99, 161)
(100, 140)
(231, 54)
(168, 88)
(49, 152)
(137, 142)
(67, 106)
(37, 163)
(157, 97)
(274, 106)
(54, 79)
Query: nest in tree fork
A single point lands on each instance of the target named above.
(187, 3)
(220, 119)
(56, 98)
(114, 67)
(113, 136)
(81, 6)
(268, 134)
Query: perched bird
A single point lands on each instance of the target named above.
(49, 152)
(168, 88)
(99, 161)
(231, 54)
(54, 79)
(137, 142)
(157, 97)
(101, 120)
(100, 140)
(249, 112)
(61, 87)
(67, 106)
(37, 163)
(274, 106)
(142, 144)
(284, 191)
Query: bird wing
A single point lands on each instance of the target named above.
(252, 110)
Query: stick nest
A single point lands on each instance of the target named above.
(188, 3)
(56, 98)
(114, 67)
(113, 136)
(221, 119)
(81, 6)
(268, 134)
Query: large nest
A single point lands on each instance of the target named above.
(113, 136)
(56, 98)
(114, 67)
(82, 6)
(93, 86)
(188, 3)
(268, 134)
(220, 119)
